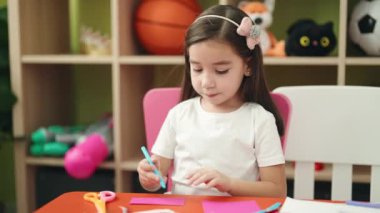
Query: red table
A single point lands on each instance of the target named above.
(72, 202)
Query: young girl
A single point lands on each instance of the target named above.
(223, 138)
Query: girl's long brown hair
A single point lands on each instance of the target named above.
(254, 87)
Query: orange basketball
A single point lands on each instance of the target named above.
(161, 24)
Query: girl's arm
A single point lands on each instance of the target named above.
(149, 181)
(272, 183)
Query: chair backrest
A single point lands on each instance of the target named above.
(284, 107)
(337, 125)
(157, 103)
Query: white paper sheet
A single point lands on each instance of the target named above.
(301, 206)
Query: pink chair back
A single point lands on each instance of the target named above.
(157, 103)
(284, 107)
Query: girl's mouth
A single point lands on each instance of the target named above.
(211, 95)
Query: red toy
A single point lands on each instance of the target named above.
(161, 24)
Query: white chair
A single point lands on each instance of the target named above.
(338, 125)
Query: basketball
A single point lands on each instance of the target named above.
(161, 24)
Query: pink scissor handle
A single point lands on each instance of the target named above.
(107, 196)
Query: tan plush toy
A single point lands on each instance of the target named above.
(261, 14)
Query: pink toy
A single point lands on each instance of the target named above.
(82, 160)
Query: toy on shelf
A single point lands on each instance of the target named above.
(364, 26)
(91, 149)
(161, 25)
(306, 38)
(54, 140)
(64, 134)
(261, 15)
(94, 43)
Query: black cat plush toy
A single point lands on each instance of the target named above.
(306, 38)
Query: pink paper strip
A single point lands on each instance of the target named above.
(230, 207)
(158, 201)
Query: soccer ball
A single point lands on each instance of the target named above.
(364, 26)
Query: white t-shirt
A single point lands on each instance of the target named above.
(234, 143)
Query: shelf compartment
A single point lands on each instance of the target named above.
(62, 95)
(48, 96)
(321, 12)
(82, 14)
(45, 32)
(353, 49)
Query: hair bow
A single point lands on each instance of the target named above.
(250, 31)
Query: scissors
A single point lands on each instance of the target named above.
(100, 199)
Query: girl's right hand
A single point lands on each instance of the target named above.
(148, 179)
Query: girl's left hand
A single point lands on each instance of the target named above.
(210, 177)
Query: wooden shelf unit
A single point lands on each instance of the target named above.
(41, 65)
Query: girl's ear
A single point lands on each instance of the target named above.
(247, 70)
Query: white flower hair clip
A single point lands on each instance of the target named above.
(250, 31)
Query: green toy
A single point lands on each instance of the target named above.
(49, 149)
(54, 140)
(56, 133)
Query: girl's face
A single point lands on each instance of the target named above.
(216, 72)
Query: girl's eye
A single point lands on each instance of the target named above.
(221, 71)
(197, 70)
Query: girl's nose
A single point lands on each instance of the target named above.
(208, 81)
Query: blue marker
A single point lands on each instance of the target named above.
(271, 208)
(147, 157)
(363, 204)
